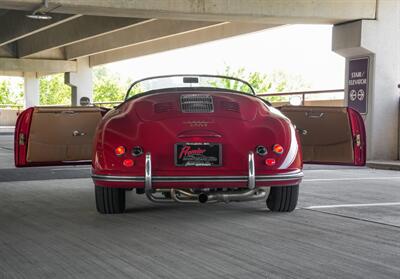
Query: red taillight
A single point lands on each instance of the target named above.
(128, 163)
(278, 149)
(270, 162)
(119, 151)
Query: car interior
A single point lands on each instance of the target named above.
(325, 133)
(62, 134)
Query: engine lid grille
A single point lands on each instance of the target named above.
(197, 103)
(164, 107)
(231, 106)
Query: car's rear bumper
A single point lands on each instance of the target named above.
(294, 175)
(149, 181)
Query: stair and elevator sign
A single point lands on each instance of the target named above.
(357, 93)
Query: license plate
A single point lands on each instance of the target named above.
(198, 154)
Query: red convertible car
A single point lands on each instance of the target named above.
(191, 138)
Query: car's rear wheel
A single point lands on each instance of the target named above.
(110, 200)
(283, 198)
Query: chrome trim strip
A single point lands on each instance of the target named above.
(292, 153)
(260, 178)
(252, 175)
(147, 174)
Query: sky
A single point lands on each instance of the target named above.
(303, 50)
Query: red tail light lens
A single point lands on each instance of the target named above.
(119, 151)
(128, 163)
(270, 162)
(278, 149)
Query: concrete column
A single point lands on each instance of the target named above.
(80, 81)
(31, 90)
(380, 40)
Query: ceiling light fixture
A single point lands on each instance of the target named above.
(40, 13)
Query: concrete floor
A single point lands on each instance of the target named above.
(347, 225)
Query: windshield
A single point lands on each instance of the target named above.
(189, 81)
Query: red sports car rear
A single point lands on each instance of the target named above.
(197, 139)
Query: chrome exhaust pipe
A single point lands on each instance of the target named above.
(203, 198)
(247, 195)
(185, 196)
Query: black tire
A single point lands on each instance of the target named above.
(283, 198)
(110, 200)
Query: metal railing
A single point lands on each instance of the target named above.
(109, 104)
(303, 94)
(11, 106)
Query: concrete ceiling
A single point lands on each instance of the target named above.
(112, 30)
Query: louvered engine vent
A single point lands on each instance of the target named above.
(163, 107)
(197, 103)
(230, 106)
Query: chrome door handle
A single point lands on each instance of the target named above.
(302, 131)
(76, 133)
(314, 115)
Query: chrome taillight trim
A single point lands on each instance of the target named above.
(292, 153)
(137, 151)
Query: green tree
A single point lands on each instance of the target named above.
(262, 83)
(11, 93)
(107, 86)
(5, 92)
(53, 90)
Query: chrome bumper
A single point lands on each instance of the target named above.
(251, 179)
(180, 195)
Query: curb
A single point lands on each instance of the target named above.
(384, 165)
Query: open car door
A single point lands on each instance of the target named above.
(329, 135)
(55, 135)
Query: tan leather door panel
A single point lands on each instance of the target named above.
(325, 133)
(62, 134)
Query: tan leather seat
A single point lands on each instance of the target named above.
(62, 134)
(328, 137)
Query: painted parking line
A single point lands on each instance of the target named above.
(353, 205)
(69, 169)
(351, 178)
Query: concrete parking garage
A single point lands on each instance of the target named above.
(346, 225)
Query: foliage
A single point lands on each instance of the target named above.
(9, 94)
(262, 83)
(107, 86)
(53, 90)
(110, 86)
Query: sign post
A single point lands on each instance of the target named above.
(357, 94)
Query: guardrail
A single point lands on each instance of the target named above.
(107, 104)
(11, 106)
(303, 94)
